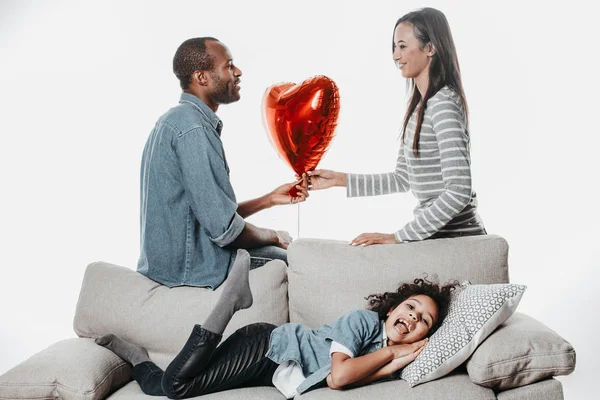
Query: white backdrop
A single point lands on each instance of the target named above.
(82, 83)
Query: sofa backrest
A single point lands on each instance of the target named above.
(328, 278)
(119, 300)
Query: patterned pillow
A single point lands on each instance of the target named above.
(475, 312)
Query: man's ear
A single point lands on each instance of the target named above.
(200, 78)
(430, 49)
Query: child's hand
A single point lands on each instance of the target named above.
(404, 354)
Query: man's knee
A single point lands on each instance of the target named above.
(262, 255)
(279, 254)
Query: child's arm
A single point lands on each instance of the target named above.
(361, 370)
(387, 369)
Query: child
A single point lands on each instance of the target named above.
(360, 347)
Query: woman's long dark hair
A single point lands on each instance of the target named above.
(430, 26)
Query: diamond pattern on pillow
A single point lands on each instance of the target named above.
(475, 311)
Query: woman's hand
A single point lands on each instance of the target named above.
(281, 194)
(325, 178)
(367, 239)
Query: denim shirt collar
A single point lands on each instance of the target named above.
(215, 121)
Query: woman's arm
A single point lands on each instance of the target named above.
(359, 185)
(397, 181)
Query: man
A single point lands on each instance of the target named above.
(191, 224)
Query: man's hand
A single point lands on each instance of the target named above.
(404, 354)
(281, 195)
(283, 239)
(367, 239)
(324, 179)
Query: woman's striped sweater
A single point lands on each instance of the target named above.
(439, 177)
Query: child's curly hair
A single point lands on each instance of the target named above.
(382, 303)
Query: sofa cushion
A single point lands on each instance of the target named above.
(118, 300)
(72, 369)
(328, 278)
(549, 389)
(475, 311)
(454, 386)
(133, 392)
(521, 351)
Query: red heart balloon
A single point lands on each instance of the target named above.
(301, 120)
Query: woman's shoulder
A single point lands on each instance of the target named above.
(444, 94)
(444, 98)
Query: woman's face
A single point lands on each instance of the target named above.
(410, 58)
(411, 320)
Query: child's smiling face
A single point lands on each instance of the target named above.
(411, 320)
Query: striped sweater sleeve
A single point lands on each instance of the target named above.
(359, 185)
(448, 124)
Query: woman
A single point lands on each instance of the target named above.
(358, 348)
(433, 161)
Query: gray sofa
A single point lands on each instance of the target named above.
(324, 279)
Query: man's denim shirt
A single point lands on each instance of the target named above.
(360, 331)
(188, 207)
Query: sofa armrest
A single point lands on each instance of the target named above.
(76, 369)
(521, 351)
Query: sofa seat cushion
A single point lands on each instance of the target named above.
(521, 351)
(72, 369)
(118, 300)
(457, 385)
(548, 389)
(328, 278)
(133, 392)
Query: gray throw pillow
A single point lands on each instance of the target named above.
(521, 351)
(475, 311)
(72, 369)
